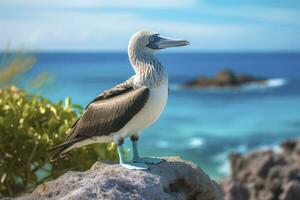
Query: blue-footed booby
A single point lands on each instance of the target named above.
(128, 108)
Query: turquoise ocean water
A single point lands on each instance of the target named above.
(199, 125)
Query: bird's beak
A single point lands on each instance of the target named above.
(165, 42)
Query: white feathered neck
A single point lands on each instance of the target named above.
(149, 71)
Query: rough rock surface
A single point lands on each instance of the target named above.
(172, 179)
(265, 175)
(224, 78)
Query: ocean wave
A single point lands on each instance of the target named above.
(276, 82)
(195, 142)
(189, 143)
(163, 144)
(270, 83)
(274, 147)
(224, 168)
(175, 87)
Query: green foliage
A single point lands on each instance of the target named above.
(29, 126)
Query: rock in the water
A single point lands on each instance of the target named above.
(224, 78)
(265, 175)
(173, 179)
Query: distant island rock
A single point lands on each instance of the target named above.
(224, 79)
(265, 175)
(173, 179)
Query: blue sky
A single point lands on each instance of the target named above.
(100, 25)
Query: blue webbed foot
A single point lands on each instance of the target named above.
(134, 166)
(148, 160)
(126, 164)
(137, 158)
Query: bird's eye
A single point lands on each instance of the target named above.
(151, 39)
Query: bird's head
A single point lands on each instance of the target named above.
(148, 41)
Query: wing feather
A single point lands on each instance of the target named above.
(107, 113)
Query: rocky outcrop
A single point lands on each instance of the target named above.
(224, 78)
(265, 175)
(172, 179)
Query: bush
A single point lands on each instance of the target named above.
(29, 126)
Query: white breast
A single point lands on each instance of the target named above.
(148, 115)
(150, 112)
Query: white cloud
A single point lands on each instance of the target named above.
(66, 31)
(57, 30)
(78, 31)
(265, 14)
(276, 15)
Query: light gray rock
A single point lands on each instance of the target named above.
(173, 179)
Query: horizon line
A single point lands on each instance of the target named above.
(161, 52)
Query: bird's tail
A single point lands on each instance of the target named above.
(61, 149)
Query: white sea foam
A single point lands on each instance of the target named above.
(270, 83)
(175, 87)
(224, 168)
(196, 142)
(274, 147)
(163, 144)
(191, 143)
(276, 82)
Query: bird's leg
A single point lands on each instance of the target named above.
(136, 158)
(122, 161)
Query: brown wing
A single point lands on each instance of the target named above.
(115, 91)
(107, 114)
